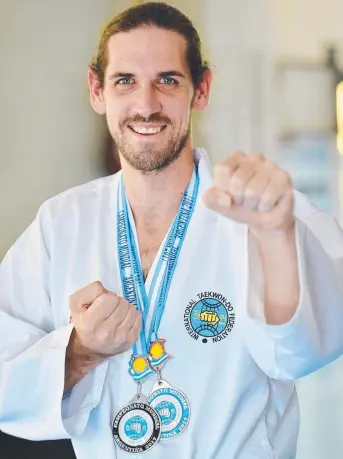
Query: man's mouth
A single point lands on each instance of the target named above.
(147, 130)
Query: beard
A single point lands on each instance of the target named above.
(148, 157)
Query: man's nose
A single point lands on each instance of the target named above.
(146, 101)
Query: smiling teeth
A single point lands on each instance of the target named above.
(143, 130)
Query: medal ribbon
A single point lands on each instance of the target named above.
(150, 304)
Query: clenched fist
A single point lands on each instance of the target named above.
(251, 190)
(105, 323)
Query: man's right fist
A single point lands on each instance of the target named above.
(105, 323)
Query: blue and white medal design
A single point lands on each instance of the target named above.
(137, 426)
(173, 408)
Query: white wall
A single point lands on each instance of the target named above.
(302, 28)
(237, 36)
(49, 137)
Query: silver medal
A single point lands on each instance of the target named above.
(137, 426)
(173, 408)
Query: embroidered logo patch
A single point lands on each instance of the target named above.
(210, 316)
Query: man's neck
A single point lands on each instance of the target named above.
(155, 197)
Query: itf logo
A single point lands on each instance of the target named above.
(211, 316)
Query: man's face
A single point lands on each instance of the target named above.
(147, 96)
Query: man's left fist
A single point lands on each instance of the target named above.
(251, 190)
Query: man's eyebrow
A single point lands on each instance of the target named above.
(171, 73)
(159, 75)
(121, 75)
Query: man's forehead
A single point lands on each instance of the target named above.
(146, 47)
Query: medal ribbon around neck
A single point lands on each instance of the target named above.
(148, 353)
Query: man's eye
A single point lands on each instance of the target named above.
(168, 80)
(124, 81)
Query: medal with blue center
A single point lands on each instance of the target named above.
(173, 408)
(136, 426)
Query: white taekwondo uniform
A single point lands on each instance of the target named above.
(240, 381)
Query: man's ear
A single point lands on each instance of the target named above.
(202, 93)
(95, 92)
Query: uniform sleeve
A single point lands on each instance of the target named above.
(32, 351)
(313, 337)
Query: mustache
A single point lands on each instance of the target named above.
(154, 118)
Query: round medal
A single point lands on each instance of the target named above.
(137, 426)
(173, 408)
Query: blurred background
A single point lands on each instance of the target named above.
(278, 89)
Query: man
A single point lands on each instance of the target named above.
(134, 318)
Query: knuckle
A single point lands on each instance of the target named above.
(121, 337)
(122, 304)
(123, 301)
(285, 177)
(104, 336)
(96, 283)
(74, 298)
(102, 299)
(114, 299)
(237, 154)
(224, 169)
(257, 158)
(97, 287)
(228, 166)
(269, 165)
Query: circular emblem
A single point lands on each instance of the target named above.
(173, 408)
(136, 428)
(211, 317)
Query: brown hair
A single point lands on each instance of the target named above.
(153, 14)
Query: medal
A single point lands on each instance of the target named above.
(173, 408)
(142, 366)
(137, 426)
(139, 367)
(157, 354)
